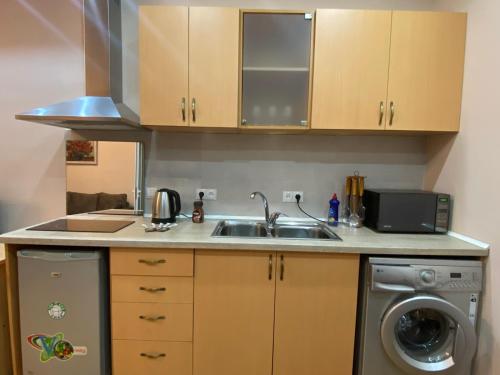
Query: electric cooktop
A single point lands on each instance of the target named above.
(78, 225)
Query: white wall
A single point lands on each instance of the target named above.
(41, 62)
(467, 165)
(237, 164)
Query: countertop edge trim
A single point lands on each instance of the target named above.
(483, 252)
(472, 241)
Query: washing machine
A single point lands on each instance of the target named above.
(418, 316)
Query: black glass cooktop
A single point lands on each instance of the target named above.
(76, 225)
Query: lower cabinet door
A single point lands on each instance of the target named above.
(316, 297)
(152, 358)
(233, 313)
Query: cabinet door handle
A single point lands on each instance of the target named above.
(152, 262)
(391, 119)
(270, 267)
(152, 290)
(193, 109)
(152, 318)
(282, 267)
(183, 109)
(381, 114)
(153, 355)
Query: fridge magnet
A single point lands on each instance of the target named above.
(56, 310)
(81, 152)
(55, 346)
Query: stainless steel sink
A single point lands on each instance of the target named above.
(303, 231)
(240, 229)
(288, 230)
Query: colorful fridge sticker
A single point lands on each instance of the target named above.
(55, 346)
(56, 310)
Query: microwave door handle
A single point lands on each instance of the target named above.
(384, 287)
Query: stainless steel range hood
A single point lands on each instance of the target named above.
(102, 108)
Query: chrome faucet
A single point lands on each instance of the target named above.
(264, 200)
(270, 219)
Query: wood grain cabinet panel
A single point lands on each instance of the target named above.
(351, 60)
(426, 70)
(163, 67)
(152, 289)
(213, 66)
(152, 358)
(189, 66)
(5, 360)
(315, 318)
(152, 321)
(151, 262)
(234, 313)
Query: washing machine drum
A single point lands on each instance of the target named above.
(427, 334)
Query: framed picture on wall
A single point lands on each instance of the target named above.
(81, 152)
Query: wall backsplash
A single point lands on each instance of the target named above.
(237, 164)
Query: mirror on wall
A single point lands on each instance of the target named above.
(104, 176)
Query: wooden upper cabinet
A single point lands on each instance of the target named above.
(426, 70)
(163, 72)
(213, 66)
(233, 313)
(351, 61)
(189, 66)
(315, 322)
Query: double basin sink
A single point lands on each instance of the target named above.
(260, 229)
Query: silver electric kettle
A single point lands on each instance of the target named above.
(166, 206)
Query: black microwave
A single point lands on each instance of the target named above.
(406, 211)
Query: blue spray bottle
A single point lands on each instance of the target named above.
(333, 212)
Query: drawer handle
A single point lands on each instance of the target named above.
(152, 262)
(152, 290)
(153, 355)
(152, 318)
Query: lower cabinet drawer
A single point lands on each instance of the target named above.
(151, 262)
(152, 358)
(152, 289)
(152, 321)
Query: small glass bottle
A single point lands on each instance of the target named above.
(198, 212)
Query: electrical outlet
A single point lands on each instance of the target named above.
(210, 194)
(150, 191)
(289, 196)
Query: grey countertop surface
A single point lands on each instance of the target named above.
(198, 236)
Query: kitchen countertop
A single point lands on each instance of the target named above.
(189, 235)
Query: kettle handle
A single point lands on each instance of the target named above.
(177, 202)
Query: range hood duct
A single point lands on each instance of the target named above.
(102, 108)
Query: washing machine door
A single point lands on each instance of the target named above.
(426, 334)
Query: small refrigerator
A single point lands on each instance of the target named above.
(63, 303)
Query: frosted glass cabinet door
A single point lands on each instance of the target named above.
(276, 69)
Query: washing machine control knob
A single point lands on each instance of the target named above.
(427, 276)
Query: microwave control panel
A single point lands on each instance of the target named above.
(442, 213)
